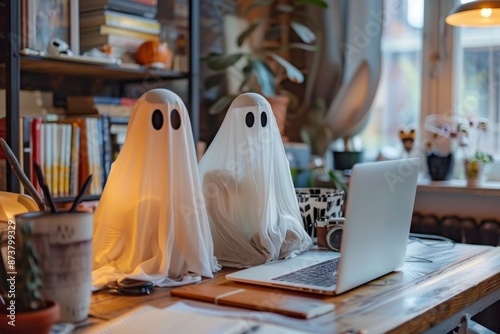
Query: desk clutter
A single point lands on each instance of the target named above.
(166, 219)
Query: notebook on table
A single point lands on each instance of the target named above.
(380, 203)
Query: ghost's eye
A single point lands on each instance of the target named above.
(157, 119)
(175, 119)
(250, 119)
(263, 119)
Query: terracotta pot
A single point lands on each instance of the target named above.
(37, 322)
(279, 104)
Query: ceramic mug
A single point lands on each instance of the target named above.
(64, 244)
(316, 203)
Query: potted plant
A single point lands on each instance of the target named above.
(23, 308)
(467, 132)
(263, 58)
(475, 159)
(438, 148)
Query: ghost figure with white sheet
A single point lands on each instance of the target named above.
(151, 223)
(251, 202)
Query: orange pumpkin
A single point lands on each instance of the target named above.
(153, 51)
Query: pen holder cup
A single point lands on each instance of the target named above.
(64, 245)
(316, 203)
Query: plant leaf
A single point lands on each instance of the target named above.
(292, 72)
(255, 4)
(306, 19)
(305, 34)
(223, 62)
(265, 77)
(282, 48)
(318, 3)
(221, 104)
(302, 46)
(247, 32)
(210, 56)
(247, 76)
(214, 80)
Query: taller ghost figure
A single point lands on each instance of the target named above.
(249, 193)
(151, 222)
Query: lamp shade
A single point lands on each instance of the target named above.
(475, 14)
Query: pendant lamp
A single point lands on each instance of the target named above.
(475, 14)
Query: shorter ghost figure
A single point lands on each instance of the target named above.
(151, 223)
(250, 198)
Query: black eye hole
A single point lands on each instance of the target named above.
(250, 119)
(263, 119)
(175, 119)
(157, 119)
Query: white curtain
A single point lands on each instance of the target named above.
(349, 62)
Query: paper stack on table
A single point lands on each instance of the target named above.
(152, 320)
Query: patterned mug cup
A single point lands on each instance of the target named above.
(316, 203)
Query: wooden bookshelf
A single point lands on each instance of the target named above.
(64, 76)
(37, 64)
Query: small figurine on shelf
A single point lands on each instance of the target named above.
(154, 54)
(57, 47)
(407, 137)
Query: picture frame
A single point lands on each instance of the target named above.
(42, 20)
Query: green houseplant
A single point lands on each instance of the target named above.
(263, 57)
(24, 310)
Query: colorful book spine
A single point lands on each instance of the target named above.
(75, 160)
(55, 163)
(107, 154)
(36, 150)
(47, 153)
(119, 20)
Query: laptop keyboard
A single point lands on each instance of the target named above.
(322, 274)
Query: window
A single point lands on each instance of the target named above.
(450, 71)
(397, 102)
(477, 77)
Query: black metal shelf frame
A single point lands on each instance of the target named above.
(13, 78)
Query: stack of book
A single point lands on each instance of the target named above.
(146, 8)
(53, 146)
(112, 116)
(119, 27)
(32, 105)
(68, 150)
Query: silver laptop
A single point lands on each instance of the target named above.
(378, 216)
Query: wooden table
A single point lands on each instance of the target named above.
(431, 292)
